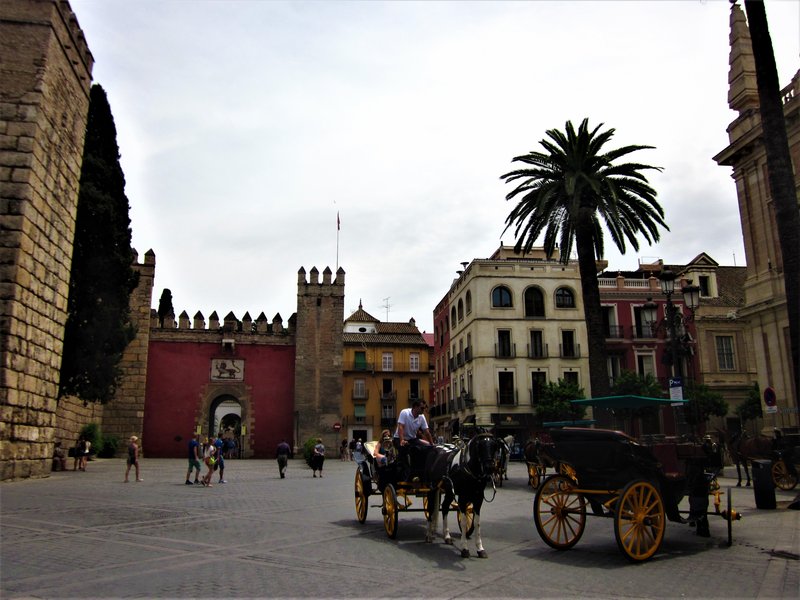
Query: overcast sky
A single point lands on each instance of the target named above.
(246, 126)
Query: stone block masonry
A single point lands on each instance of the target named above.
(45, 77)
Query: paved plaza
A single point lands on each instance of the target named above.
(89, 535)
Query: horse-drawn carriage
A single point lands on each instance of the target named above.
(782, 450)
(615, 477)
(452, 476)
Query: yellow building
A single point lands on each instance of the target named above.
(386, 367)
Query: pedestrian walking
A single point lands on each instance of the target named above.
(210, 460)
(343, 450)
(283, 451)
(220, 456)
(318, 457)
(133, 458)
(194, 459)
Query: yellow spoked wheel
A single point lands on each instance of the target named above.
(558, 513)
(782, 477)
(535, 473)
(390, 510)
(361, 497)
(639, 520)
(469, 517)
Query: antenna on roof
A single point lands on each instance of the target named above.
(386, 305)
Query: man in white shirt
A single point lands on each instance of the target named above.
(413, 438)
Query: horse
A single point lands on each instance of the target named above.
(500, 470)
(460, 473)
(743, 449)
(537, 459)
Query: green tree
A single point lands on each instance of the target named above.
(555, 402)
(780, 173)
(750, 409)
(98, 327)
(703, 404)
(569, 192)
(165, 306)
(631, 383)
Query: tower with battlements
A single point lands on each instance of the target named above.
(319, 351)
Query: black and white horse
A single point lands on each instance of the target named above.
(461, 473)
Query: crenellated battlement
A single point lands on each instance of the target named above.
(231, 324)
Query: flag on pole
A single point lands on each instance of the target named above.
(338, 223)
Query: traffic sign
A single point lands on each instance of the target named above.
(675, 388)
(770, 400)
(337, 426)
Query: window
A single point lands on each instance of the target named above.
(460, 310)
(387, 390)
(387, 411)
(538, 383)
(615, 367)
(414, 390)
(453, 320)
(469, 302)
(413, 361)
(565, 298)
(725, 356)
(705, 287)
(360, 412)
(387, 363)
(534, 302)
(641, 327)
(537, 349)
(359, 389)
(501, 297)
(360, 361)
(571, 377)
(569, 349)
(505, 395)
(504, 344)
(645, 364)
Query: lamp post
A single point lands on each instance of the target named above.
(673, 316)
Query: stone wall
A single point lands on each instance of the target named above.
(319, 355)
(71, 416)
(124, 415)
(45, 75)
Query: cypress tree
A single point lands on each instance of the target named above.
(98, 327)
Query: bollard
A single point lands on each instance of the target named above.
(763, 486)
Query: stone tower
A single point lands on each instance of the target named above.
(318, 360)
(45, 76)
(123, 416)
(765, 309)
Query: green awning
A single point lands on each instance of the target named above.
(627, 402)
(580, 423)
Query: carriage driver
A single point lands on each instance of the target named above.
(412, 437)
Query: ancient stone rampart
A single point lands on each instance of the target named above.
(45, 75)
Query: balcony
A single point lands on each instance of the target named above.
(418, 395)
(569, 350)
(538, 352)
(504, 351)
(614, 331)
(506, 398)
(361, 395)
(359, 367)
(643, 332)
(388, 422)
(467, 354)
(389, 396)
(359, 420)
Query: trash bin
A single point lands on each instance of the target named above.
(763, 486)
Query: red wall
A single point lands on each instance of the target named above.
(178, 375)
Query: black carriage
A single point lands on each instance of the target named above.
(608, 474)
(391, 483)
(785, 459)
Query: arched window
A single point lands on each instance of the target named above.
(460, 310)
(565, 298)
(453, 317)
(469, 302)
(534, 302)
(501, 297)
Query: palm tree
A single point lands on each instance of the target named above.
(781, 177)
(569, 192)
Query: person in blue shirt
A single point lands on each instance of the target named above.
(220, 444)
(194, 459)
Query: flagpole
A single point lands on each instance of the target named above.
(337, 241)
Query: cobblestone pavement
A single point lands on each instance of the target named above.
(89, 535)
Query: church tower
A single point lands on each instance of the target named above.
(765, 296)
(318, 361)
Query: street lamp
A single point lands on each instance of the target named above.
(673, 315)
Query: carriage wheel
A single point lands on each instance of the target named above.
(390, 510)
(470, 516)
(558, 513)
(639, 520)
(782, 477)
(361, 497)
